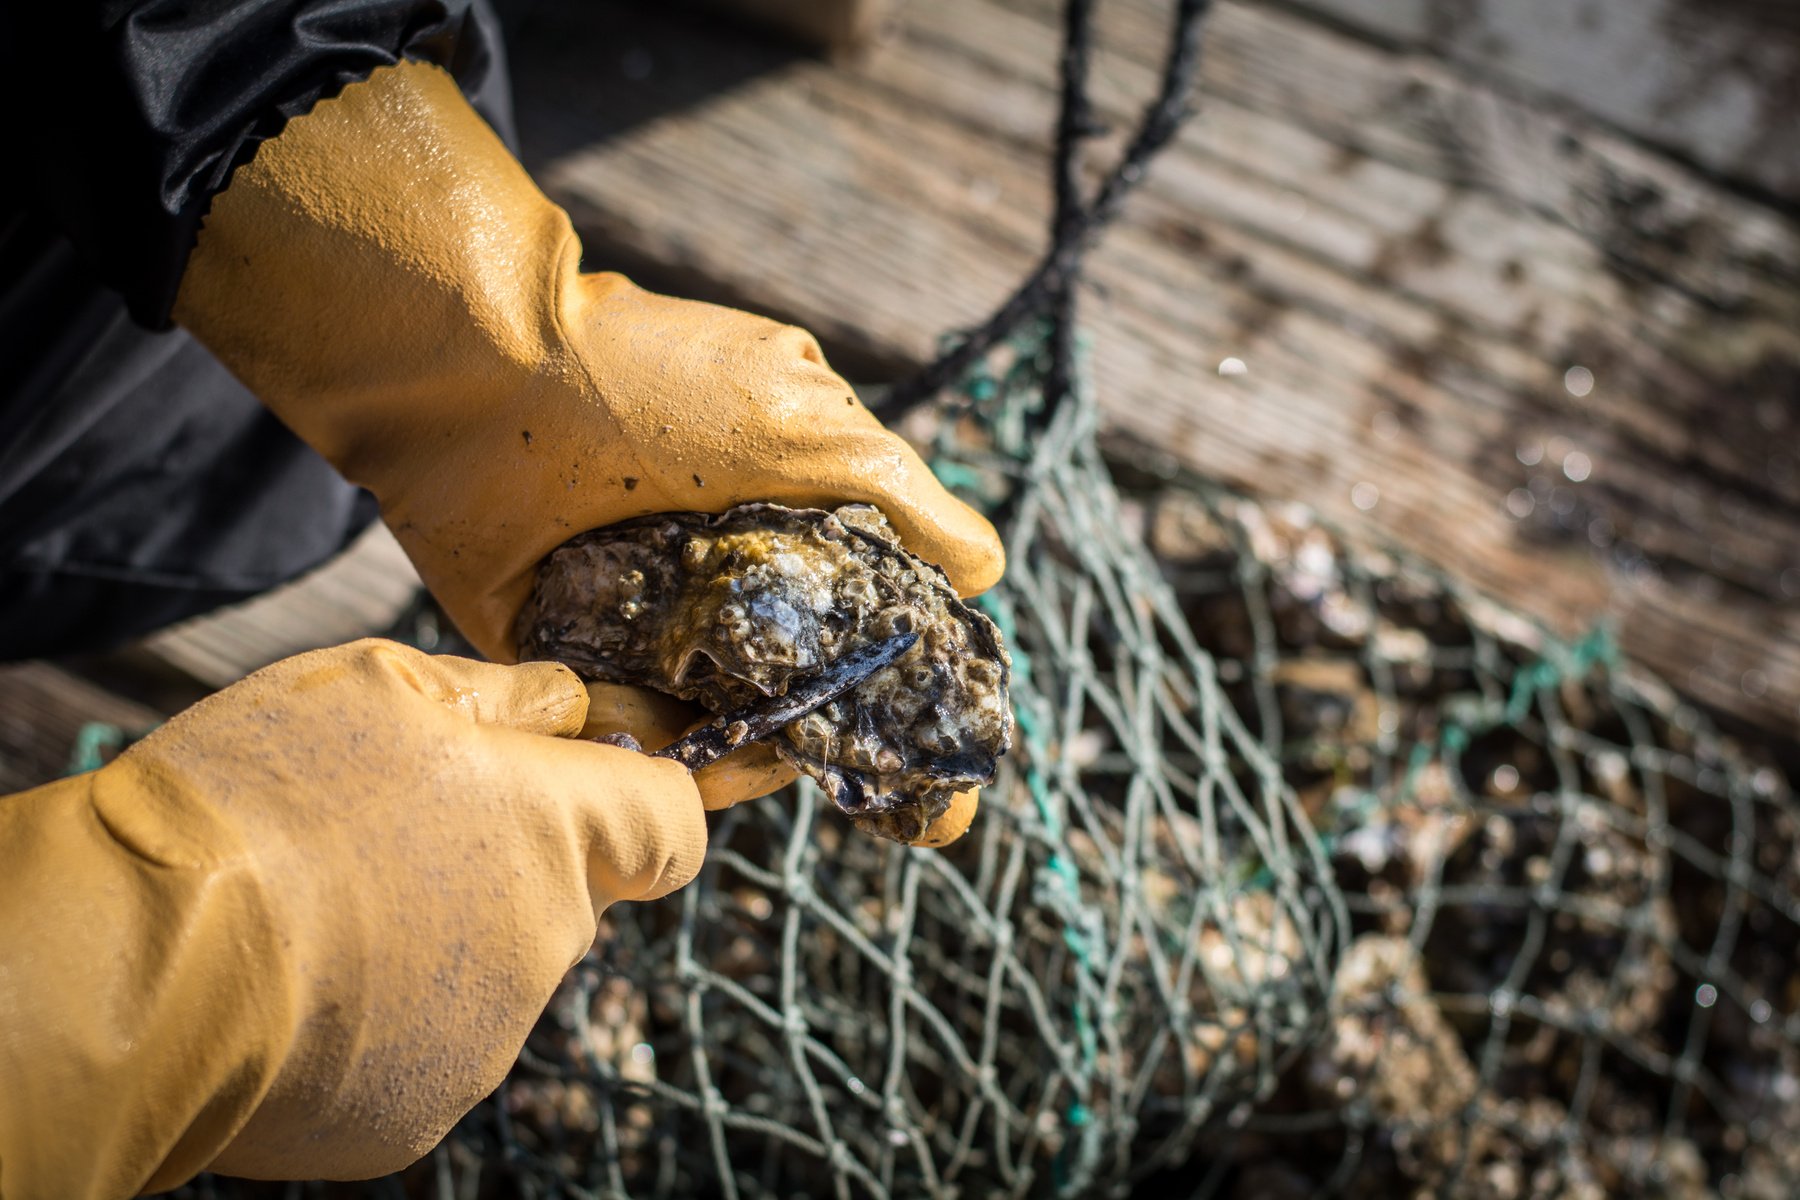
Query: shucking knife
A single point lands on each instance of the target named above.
(723, 734)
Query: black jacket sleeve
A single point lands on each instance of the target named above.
(125, 117)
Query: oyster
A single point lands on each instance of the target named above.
(723, 609)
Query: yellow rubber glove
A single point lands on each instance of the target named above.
(389, 281)
(306, 925)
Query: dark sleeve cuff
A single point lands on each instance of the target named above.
(130, 115)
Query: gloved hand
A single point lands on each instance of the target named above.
(389, 281)
(307, 924)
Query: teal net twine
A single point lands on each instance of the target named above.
(93, 742)
(1559, 663)
(1059, 885)
(96, 744)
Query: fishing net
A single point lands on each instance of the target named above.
(1310, 874)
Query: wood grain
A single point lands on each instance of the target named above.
(1407, 257)
(42, 711)
(362, 591)
(1713, 81)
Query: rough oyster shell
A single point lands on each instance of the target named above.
(722, 609)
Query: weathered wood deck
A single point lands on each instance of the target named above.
(1420, 258)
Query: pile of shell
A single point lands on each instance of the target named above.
(1576, 908)
(1548, 943)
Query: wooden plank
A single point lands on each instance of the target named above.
(44, 707)
(362, 591)
(1713, 82)
(1407, 260)
(43, 710)
(1657, 219)
(838, 27)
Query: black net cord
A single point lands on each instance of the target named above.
(1049, 292)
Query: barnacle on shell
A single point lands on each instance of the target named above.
(723, 609)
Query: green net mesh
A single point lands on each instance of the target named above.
(1310, 875)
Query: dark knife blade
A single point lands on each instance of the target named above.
(714, 740)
